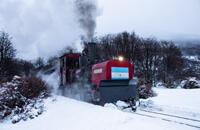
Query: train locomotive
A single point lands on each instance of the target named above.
(109, 81)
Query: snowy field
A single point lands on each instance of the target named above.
(67, 114)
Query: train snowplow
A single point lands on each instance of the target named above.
(113, 91)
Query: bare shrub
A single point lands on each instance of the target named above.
(145, 89)
(191, 84)
(21, 99)
(33, 87)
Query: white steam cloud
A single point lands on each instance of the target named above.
(43, 27)
(78, 91)
(87, 14)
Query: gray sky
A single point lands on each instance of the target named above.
(43, 27)
(165, 19)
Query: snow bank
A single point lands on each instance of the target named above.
(64, 113)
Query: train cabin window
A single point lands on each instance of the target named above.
(70, 61)
(77, 63)
(62, 62)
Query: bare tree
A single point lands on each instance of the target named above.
(7, 54)
(172, 62)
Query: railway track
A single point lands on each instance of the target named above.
(169, 118)
(195, 123)
(186, 118)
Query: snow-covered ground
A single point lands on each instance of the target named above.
(193, 58)
(68, 114)
(187, 99)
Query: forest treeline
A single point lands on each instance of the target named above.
(9, 64)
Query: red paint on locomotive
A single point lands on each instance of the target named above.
(103, 70)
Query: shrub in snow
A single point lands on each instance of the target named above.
(33, 87)
(21, 99)
(145, 89)
(171, 84)
(190, 83)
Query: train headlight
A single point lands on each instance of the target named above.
(121, 58)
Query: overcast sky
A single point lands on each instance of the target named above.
(164, 19)
(43, 27)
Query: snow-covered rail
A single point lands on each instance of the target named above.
(141, 111)
(170, 118)
(170, 115)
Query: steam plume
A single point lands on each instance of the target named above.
(43, 27)
(86, 11)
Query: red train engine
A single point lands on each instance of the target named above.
(109, 81)
(112, 80)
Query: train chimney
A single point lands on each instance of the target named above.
(91, 52)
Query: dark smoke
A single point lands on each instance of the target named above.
(87, 14)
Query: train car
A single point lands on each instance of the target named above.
(69, 63)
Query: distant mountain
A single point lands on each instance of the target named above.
(189, 47)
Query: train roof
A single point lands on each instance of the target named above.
(106, 63)
(70, 54)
